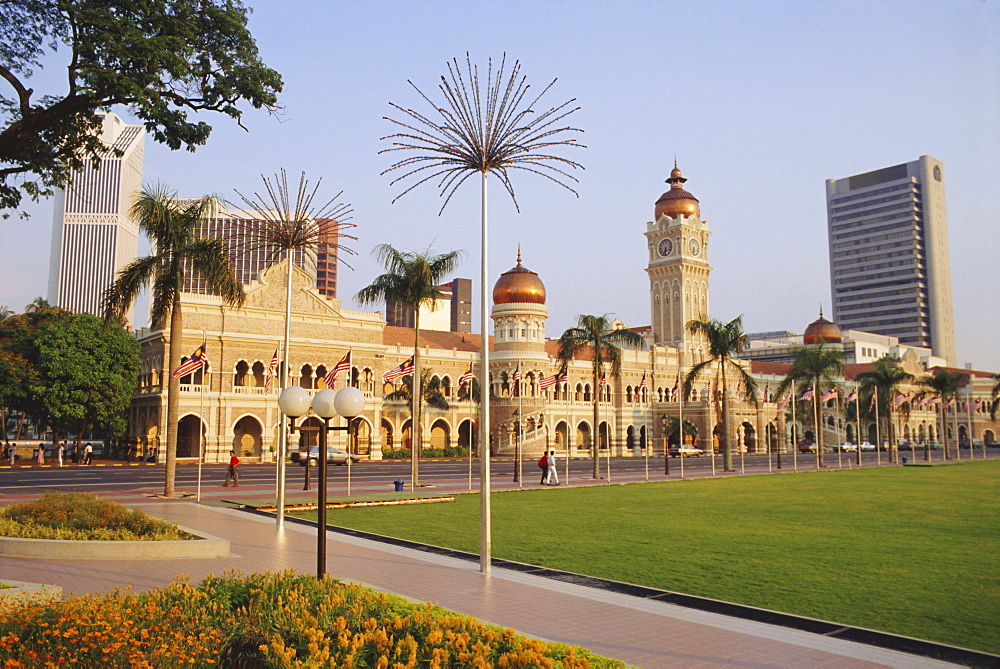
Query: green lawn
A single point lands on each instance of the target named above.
(907, 550)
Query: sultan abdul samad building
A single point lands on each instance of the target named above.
(239, 406)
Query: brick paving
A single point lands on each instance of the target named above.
(642, 632)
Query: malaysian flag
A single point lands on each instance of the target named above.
(673, 392)
(642, 384)
(950, 402)
(197, 359)
(829, 395)
(271, 369)
(465, 378)
(784, 401)
(853, 396)
(404, 368)
(561, 378)
(604, 382)
(806, 396)
(342, 366)
(976, 404)
(899, 399)
(516, 381)
(872, 406)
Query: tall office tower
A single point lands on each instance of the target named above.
(326, 260)
(889, 267)
(92, 236)
(249, 256)
(451, 313)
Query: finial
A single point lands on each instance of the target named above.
(821, 310)
(675, 161)
(519, 254)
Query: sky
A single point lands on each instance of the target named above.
(759, 102)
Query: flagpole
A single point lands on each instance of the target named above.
(857, 418)
(472, 422)
(645, 424)
(201, 415)
(680, 418)
(840, 464)
(517, 426)
(954, 422)
(795, 432)
(878, 427)
(485, 520)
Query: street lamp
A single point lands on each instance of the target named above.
(294, 402)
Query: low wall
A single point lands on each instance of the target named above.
(205, 546)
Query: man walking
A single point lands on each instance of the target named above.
(60, 451)
(88, 453)
(552, 478)
(234, 462)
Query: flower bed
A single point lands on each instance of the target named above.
(266, 620)
(83, 517)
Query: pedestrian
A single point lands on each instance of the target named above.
(60, 451)
(40, 456)
(74, 454)
(543, 463)
(128, 451)
(88, 453)
(13, 452)
(6, 450)
(553, 476)
(234, 462)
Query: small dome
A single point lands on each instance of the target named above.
(519, 285)
(676, 201)
(821, 330)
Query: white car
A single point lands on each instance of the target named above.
(335, 455)
(865, 446)
(846, 447)
(686, 451)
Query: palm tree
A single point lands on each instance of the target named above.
(995, 397)
(814, 366)
(600, 339)
(944, 385)
(37, 304)
(482, 130)
(172, 225)
(411, 280)
(884, 381)
(5, 313)
(430, 386)
(282, 224)
(725, 341)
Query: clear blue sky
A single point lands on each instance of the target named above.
(760, 102)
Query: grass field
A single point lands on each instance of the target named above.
(914, 551)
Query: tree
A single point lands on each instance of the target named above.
(162, 59)
(671, 423)
(725, 341)
(86, 374)
(37, 304)
(814, 366)
(596, 336)
(944, 385)
(883, 382)
(430, 387)
(995, 397)
(5, 312)
(411, 280)
(172, 226)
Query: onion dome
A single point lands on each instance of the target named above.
(676, 201)
(519, 285)
(821, 330)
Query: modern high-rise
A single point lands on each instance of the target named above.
(451, 313)
(889, 267)
(92, 236)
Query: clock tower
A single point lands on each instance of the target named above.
(678, 266)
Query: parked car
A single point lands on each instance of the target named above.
(846, 447)
(333, 454)
(865, 446)
(687, 450)
(807, 448)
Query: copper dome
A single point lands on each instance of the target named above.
(676, 201)
(821, 330)
(519, 285)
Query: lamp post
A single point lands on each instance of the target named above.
(294, 402)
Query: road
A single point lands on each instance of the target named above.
(120, 480)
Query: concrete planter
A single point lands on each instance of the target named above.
(205, 546)
(27, 593)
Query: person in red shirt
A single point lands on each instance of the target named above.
(234, 462)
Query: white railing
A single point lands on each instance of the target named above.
(250, 390)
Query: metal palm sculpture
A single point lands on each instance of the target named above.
(482, 126)
(283, 223)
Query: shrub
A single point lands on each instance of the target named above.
(82, 516)
(266, 620)
(447, 452)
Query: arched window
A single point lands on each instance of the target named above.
(242, 370)
(306, 377)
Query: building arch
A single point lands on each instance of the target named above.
(605, 436)
(749, 440)
(561, 436)
(190, 434)
(386, 433)
(240, 373)
(440, 434)
(467, 435)
(989, 437)
(361, 436)
(248, 437)
(583, 436)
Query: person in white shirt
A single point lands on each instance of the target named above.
(552, 476)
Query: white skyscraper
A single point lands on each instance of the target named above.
(92, 236)
(889, 267)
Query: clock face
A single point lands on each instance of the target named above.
(666, 247)
(694, 248)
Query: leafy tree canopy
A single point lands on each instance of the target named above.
(70, 368)
(162, 59)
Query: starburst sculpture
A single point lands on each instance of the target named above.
(486, 127)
